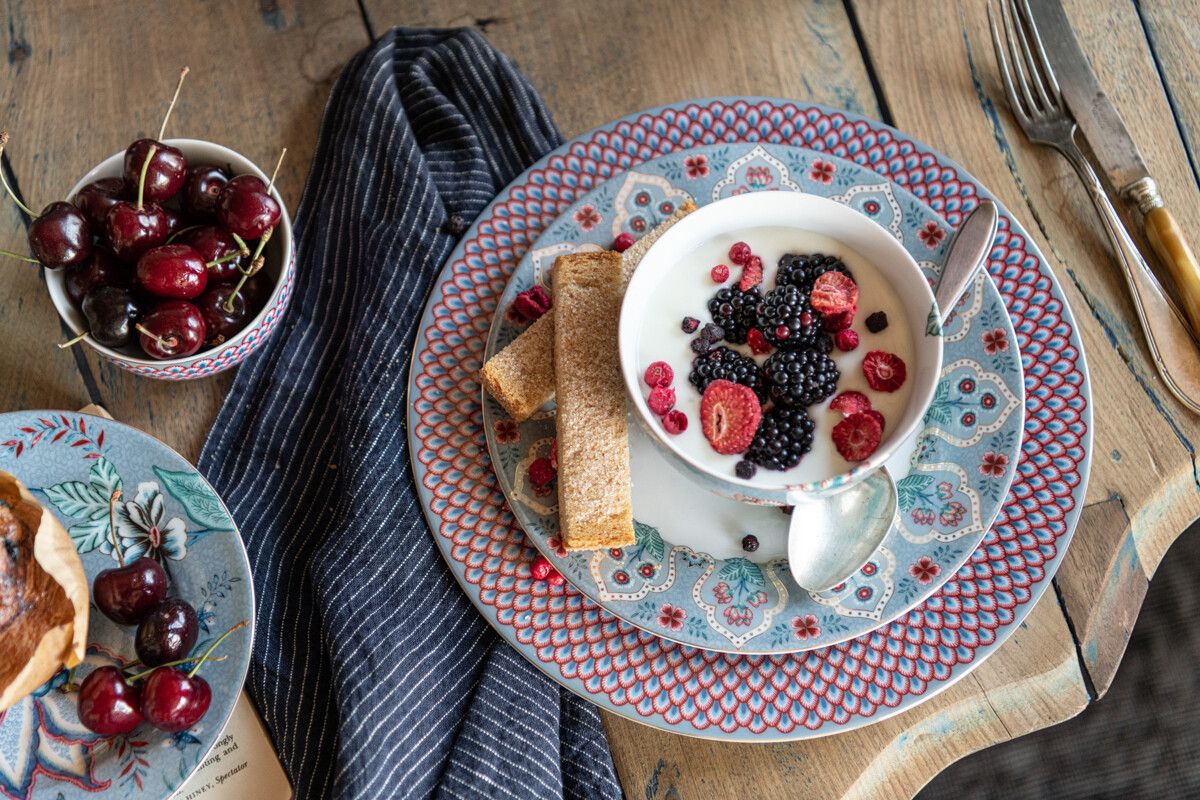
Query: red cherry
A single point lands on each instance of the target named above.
(167, 171)
(200, 191)
(95, 199)
(108, 704)
(99, 270)
(132, 231)
(174, 329)
(214, 244)
(221, 323)
(173, 270)
(173, 701)
(126, 594)
(60, 236)
(246, 208)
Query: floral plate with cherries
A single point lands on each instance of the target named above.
(699, 691)
(691, 576)
(72, 463)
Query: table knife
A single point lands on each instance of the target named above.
(1116, 153)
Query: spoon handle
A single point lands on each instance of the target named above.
(971, 245)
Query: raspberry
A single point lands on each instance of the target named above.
(555, 578)
(661, 399)
(541, 472)
(884, 372)
(877, 322)
(690, 324)
(833, 293)
(531, 304)
(675, 422)
(541, 568)
(659, 374)
(846, 340)
(850, 402)
(857, 436)
(752, 274)
(729, 416)
(839, 321)
(739, 253)
(878, 418)
(758, 343)
(623, 242)
(719, 273)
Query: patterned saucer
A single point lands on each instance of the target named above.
(689, 690)
(72, 463)
(687, 578)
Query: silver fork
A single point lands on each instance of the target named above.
(1037, 104)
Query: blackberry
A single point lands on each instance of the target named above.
(877, 322)
(734, 310)
(784, 436)
(721, 363)
(785, 310)
(802, 271)
(800, 377)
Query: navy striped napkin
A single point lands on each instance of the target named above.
(373, 672)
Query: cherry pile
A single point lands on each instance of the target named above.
(113, 702)
(160, 258)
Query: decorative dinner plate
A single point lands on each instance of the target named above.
(723, 695)
(72, 463)
(687, 578)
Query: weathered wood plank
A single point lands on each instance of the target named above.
(1174, 33)
(75, 94)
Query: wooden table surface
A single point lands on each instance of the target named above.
(82, 78)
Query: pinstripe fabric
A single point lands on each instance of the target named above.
(374, 674)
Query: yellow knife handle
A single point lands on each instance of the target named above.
(1166, 237)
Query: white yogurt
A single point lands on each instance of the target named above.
(684, 291)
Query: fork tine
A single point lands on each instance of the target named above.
(1014, 100)
(1018, 63)
(1023, 35)
(1046, 70)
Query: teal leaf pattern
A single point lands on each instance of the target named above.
(911, 488)
(87, 502)
(198, 501)
(933, 323)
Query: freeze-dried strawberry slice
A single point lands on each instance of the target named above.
(833, 293)
(839, 321)
(885, 372)
(729, 416)
(878, 418)
(857, 436)
(752, 274)
(850, 402)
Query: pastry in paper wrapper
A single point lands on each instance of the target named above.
(43, 595)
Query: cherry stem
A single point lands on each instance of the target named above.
(199, 659)
(142, 176)
(247, 274)
(73, 342)
(262, 242)
(4, 180)
(11, 254)
(181, 232)
(223, 259)
(112, 526)
(165, 342)
(213, 646)
(163, 128)
(278, 164)
(241, 243)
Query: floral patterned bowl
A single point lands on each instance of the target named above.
(279, 269)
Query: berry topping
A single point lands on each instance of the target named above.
(877, 322)
(541, 568)
(782, 332)
(752, 274)
(838, 322)
(833, 293)
(690, 324)
(541, 472)
(758, 343)
(786, 319)
(661, 399)
(857, 436)
(734, 310)
(712, 333)
(659, 374)
(850, 402)
(675, 422)
(555, 578)
(783, 438)
(531, 304)
(729, 416)
(739, 253)
(878, 418)
(623, 242)
(701, 345)
(719, 273)
(846, 340)
(749, 541)
(800, 377)
(884, 372)
(802, 271)
(724, 364)
(745, 470)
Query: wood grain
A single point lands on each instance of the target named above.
(1173, 30)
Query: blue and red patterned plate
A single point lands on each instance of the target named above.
(72, 463)
(701, 692)
(687, 578)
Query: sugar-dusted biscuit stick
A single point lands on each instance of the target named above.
(595, 507)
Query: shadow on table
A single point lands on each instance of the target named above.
(1142, 740)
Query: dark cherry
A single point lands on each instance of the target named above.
(168, 634)
(200, 192)
(164, 176)
(126, 594)
(175, 221)
(60, 236)
(172, 701)
(213, 244)
(173, 329)
(95, 199)
(220, 322)
(99, 270)
(108, 704)
(111, 313)
(246, 208)
(132, 231)
(175, 271)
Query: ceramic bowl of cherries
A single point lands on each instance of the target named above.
(172, 259)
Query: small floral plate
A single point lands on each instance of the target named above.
(72, 463)
(687, 578)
